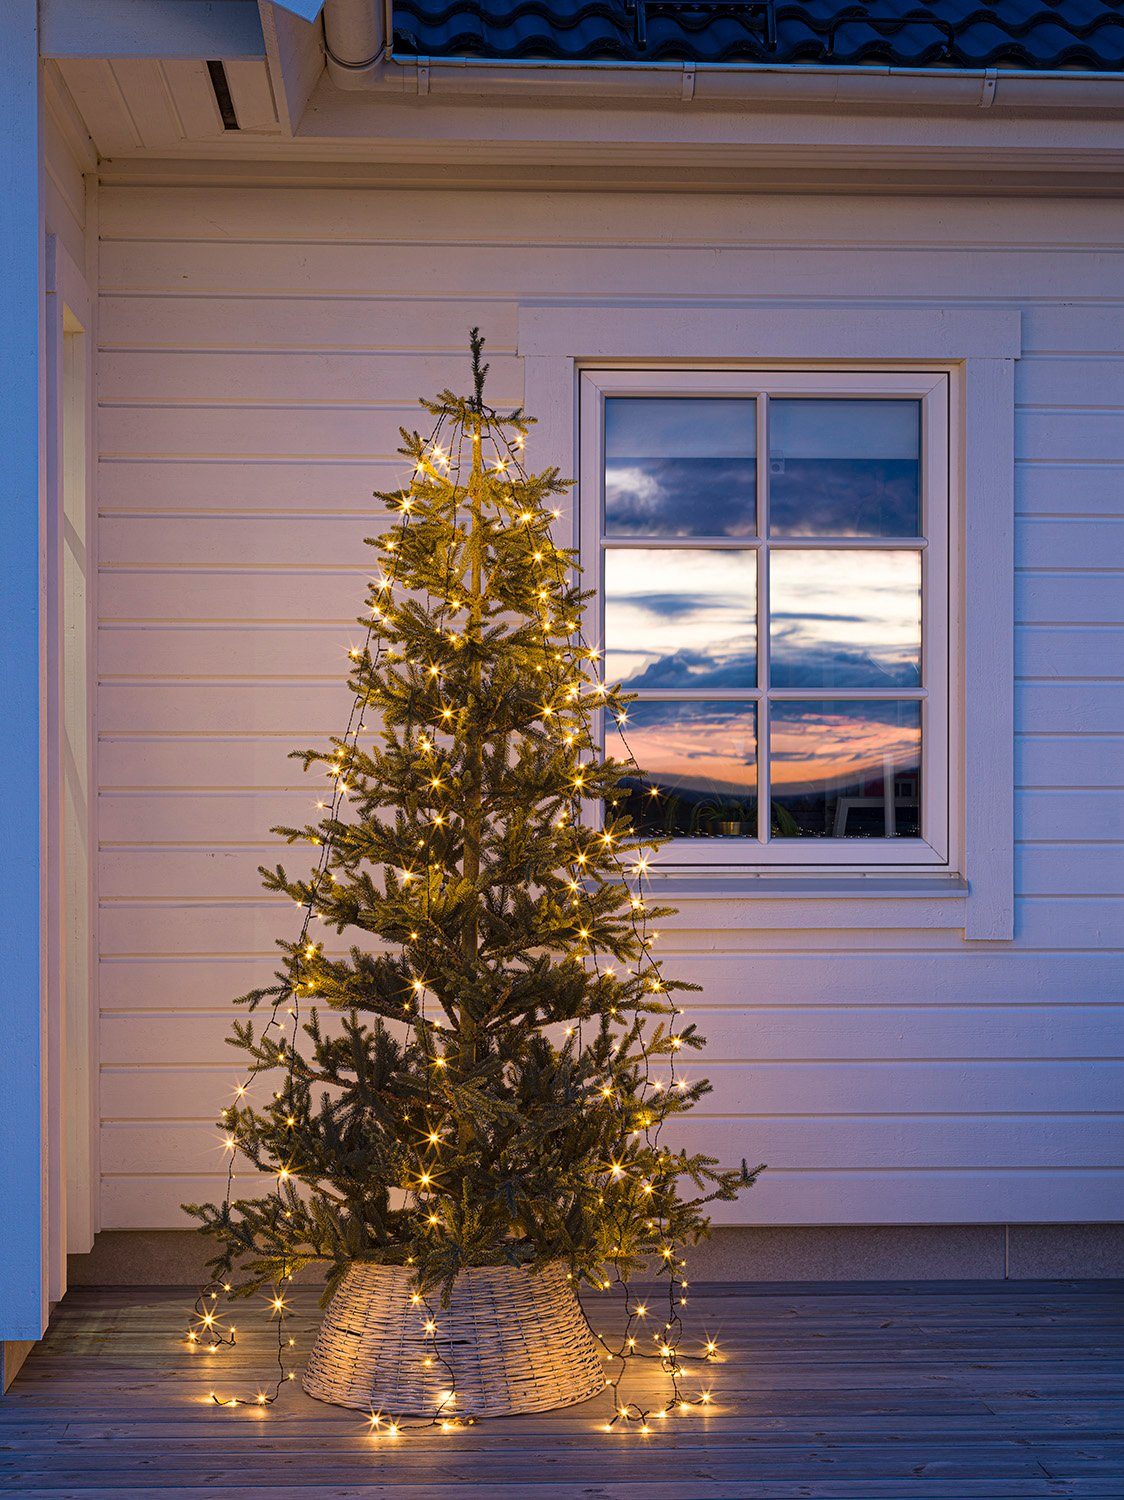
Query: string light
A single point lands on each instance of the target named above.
(438, 458)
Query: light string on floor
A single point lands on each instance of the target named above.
(671, 1264)
(211, 1332)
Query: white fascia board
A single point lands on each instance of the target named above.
(194, 29)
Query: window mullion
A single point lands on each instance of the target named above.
(764, 796)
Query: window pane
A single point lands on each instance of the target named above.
(680, 466)
(699, 768)
(845, 619)
(845, 770)
(681, 618)
(844, 468)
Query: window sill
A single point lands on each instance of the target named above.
(732, 899)
(683, 884)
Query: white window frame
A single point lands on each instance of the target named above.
(938, 847)
(976, 348)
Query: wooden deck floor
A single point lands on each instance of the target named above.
(957, 1391)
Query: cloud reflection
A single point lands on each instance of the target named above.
(845, 618)
(844, 468)
(671, 497)
(680, 466)
(681, 617)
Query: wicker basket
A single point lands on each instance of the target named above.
(515, 1342)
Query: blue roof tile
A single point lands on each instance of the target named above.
(1059, 34)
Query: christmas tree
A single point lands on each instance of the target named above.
(487, 1076)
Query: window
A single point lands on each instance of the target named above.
(771, 554)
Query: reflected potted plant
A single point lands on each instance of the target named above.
(784, 825)
(724, 818)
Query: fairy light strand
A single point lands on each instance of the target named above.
(210, 1333)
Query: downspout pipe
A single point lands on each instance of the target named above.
(356, 40)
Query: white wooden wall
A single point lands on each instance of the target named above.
(259, 348)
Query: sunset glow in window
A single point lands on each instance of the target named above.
(764, 566)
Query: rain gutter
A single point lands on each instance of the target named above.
(780, 83)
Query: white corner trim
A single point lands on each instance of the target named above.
(978, 349)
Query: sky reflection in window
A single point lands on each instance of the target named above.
(844, 468)
(845, 770)
(680, 466)
(700, 759)
(845, 619)
(681, 618)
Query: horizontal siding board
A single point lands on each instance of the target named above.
(389, 215)
(322, 378)
(1075, 598)
(1069, 651)
(209, 541)
(198, 761)
(304, 650)
(1075, 922)
(622, 268)
(241, 322)
(201, 762)
(1073, 542)
(1072, 922)
(1068, 435)
(276, 651)
(179, 874)
(763, 1088)
(1063, 326)
(244, 318)
(1067, 760)
(159, 485)
(252, 926)
(954, 1196)
(280, 593)
(1096, 816)
(1088, 488)
(970, 978)
(741, 1030)
(202, 819)
(358, 429)
(306, 708)
(1069, 869)
(1071, 707)
(193, 1148)
(260, 348)
(1075, 380)
(1042, 869)
(246, 815)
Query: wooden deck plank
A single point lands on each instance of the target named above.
(743, 1487)
(892, 1392)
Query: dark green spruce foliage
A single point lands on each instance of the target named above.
(499, 1061)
